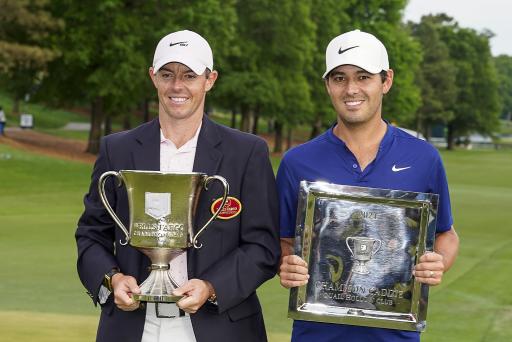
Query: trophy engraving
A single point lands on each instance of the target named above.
(364, 249)
(160, 228)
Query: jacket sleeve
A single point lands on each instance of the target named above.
(95, 232)
(237, 275)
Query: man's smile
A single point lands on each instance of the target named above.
(353, 103)
(178, 100)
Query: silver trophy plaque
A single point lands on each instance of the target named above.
(361, 245)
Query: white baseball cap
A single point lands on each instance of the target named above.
(357, 48)
(185, 47)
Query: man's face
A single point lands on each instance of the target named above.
(181, 92)
(357, 94)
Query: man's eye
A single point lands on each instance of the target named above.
(190, 76)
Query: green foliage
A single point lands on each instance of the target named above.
(504, 72)
(274, 46)
(25, 28)
(404, 98)
(437, 74)
(26, 45)
(101, 55)
(477, 105)
(270, 54)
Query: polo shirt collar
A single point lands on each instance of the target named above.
(189, 145)
(384, 143)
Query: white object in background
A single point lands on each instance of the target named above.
(26, 121)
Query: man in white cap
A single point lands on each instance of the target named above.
(240, 251)
(361, 149)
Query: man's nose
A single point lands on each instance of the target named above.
(352, 87)
(177, 83)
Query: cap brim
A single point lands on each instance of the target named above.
(196, 67)
(369, 68)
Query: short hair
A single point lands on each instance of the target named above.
(383, 75)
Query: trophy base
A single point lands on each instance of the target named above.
(156, 298)
(158, 287)
(359, 269)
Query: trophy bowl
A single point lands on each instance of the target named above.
(162, 208)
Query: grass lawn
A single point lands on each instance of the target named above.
(44, 116)
(43, 300)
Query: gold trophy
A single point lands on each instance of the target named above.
(162, 208)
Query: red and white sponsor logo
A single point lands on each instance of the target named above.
(232, 208)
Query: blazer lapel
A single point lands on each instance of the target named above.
(208, 156)
(146, 154)
(207, 160)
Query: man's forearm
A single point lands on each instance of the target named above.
(447, 244)
(286, 246)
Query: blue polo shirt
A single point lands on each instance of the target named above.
(403, 162)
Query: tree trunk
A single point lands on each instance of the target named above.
(419, 125)
(108, 124)
(127, 123)
(145, 110)
(233, 118)
(428, 131)
(450, 138)
(16, 105)
(278, 140)
(289, 137)
(245, 124)
(315, 129)
(270, 125)
(255, 123)
(93, 145)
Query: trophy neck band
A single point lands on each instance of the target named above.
(159, 267)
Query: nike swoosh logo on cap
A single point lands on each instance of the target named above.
(172, 44)
(397, 169)
(340, 51)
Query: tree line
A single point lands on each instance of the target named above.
(270, 56)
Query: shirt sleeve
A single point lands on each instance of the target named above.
(287, 187)
(439, 185)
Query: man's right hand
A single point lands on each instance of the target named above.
(124, 286)
(293, 271)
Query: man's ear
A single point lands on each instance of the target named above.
(152, 76)
(386, 86)
(326, 82)
(210, 81)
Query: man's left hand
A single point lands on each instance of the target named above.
(195, 292)
(430, 269)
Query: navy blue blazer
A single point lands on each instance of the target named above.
(237, 256)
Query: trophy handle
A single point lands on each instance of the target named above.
(380, 245)
(224, 198)
(103, 196)
(346, 241)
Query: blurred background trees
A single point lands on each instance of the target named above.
(270, 56)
